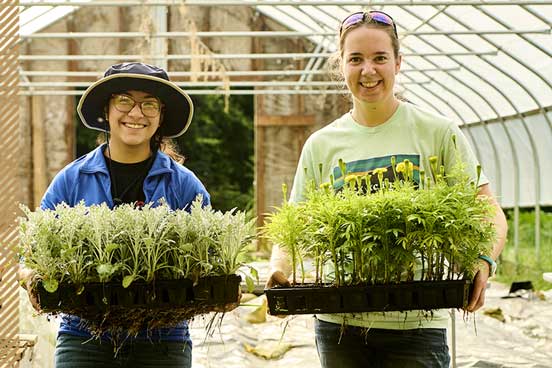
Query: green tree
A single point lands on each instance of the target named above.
(219, 148)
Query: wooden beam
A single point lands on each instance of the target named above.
(285, 120)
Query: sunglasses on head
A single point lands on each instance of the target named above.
(374, 16)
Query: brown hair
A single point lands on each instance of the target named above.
(170, 148)
(336, 60)
(167, 146)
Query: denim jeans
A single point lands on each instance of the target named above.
(378, 348)
(81, 352)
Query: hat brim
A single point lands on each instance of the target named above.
(178, 106)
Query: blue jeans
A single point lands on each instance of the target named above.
(81, 352)
(378, 348)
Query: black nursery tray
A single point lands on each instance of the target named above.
(425, 295)
(166, 294)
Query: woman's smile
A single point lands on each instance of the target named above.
(370, 85)
(134, 125)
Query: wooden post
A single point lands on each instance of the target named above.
(258, 136)
(10, 194)
(73, 66)
(259, 168)
(40, 177)
(262, 122)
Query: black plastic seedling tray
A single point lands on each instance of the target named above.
(164, 294)
(424, 295)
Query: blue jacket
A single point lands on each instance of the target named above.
(87, 178)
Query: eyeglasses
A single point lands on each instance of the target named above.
(125, 103)
(375, 16)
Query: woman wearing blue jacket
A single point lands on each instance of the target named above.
(137, 106)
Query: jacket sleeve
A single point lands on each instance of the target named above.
(189, 187)
(205, 195)
(57, 192)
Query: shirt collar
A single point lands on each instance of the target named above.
(94, 162)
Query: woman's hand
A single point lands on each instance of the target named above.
(277, 279)
(26, 278)
(477, 298)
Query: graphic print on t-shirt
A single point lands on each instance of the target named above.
(362, 168)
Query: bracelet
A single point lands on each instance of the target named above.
(491, 262)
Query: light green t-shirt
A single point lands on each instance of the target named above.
(411, 133)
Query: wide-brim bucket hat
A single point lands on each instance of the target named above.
(178, 107)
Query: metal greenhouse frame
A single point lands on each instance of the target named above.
(486, 64)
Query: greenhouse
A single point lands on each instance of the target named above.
(258, 73)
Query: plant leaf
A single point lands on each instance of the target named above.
(250, 283)
(254, 273)
(50, 285)
(105, 270)
(111, 247)
(127, 280)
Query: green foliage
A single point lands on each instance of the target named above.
(219, 148)
(524, 265)
(400, 233)
(86, 139)
(96, 244)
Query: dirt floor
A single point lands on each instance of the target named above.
(507, 332)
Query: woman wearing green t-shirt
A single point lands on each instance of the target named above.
(378, 127)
